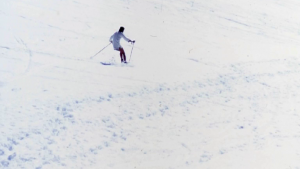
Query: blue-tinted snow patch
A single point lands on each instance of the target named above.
(204, 158)
(222, 151)
(50, 141)
(92, 150)
(1, 152)
(12, 141)
(141, 116)
(66, 115)
(12, 156)
(27, 159)
(124, 138)
(63, 128)
(55, 132)
(5, 163)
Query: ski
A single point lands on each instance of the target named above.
(106, 64)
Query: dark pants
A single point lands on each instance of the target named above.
(122, 55)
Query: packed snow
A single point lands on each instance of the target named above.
(210, 84)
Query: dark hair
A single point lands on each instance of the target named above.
(121, 29)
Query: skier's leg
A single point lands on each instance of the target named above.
(123, 56)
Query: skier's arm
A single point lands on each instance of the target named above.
(128, 40)
(111, 38)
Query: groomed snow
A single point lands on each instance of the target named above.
(210, 84)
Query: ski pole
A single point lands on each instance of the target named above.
(100, 50)
(131, 51)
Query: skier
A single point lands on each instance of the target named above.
(115, 39)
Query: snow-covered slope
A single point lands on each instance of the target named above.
(211, 84)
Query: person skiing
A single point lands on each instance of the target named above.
(115, 40)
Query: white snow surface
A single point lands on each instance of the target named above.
(210, 84)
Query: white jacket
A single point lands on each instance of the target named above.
(116, 37)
